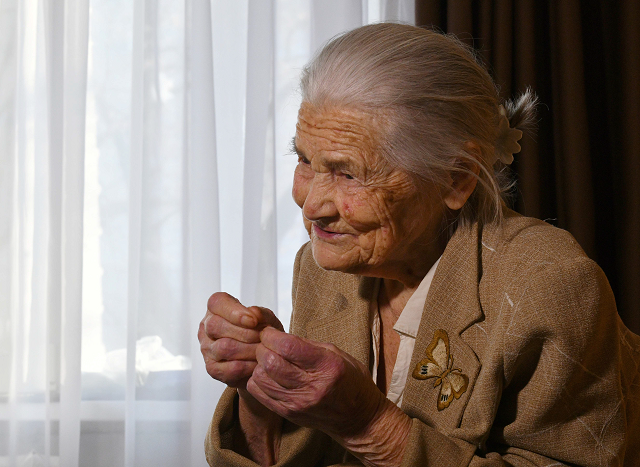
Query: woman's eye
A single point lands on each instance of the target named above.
(346, 175)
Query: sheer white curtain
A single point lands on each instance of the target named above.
(143, 166)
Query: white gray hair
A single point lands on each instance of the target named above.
(434, 95)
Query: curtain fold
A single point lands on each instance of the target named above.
(259, 254)
(331, 17)
(136, 162)
(201, 217)
(581, 168)
(75, 53)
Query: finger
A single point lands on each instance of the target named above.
(234, 373)
(276, 368)
(266, 317)
(258, 394)
(341, 353)
(230, 349)
(229, 308)
(297, 350)
(279, 400)
(217, 327)
(201, 333)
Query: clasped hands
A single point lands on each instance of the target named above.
(312, 384)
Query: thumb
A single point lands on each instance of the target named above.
(266, 317)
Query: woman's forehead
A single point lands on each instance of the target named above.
(343, 124)
(336, 128)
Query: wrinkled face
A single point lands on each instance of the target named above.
(362, 215)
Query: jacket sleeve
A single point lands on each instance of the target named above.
(568, 385)
(299, 447)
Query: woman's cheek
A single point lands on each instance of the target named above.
(361, 210)
(347, 210)
(351, 206)
(300, 188)
(355, 211)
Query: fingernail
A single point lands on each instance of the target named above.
(248, 320)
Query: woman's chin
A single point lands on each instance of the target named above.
(333, 259)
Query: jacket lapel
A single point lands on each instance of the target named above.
(452, 305)
(346, 323)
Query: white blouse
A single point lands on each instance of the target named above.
(407, 327)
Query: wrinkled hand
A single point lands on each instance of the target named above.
(313, 384)
(229, 335)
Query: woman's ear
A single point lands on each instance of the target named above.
(463, 182)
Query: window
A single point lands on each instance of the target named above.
(147, 168)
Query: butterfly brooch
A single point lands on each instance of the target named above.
(439, 364)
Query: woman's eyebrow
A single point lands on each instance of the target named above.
(342, 165)
(339, 165)
(294, 149)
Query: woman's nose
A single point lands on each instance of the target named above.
(319, 202)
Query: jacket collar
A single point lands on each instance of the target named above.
(452, 305)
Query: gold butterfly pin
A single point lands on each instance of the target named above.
(439, 364)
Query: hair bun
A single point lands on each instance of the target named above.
(507, 141)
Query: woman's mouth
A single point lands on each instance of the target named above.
(325, 234)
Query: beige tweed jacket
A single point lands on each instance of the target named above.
(553, 374)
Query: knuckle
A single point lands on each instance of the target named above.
(238, 372)
(214, 371)
(321, 394)
(334, 365)
(268, 316)
(288, 412)
(213, 301)
(248, 335)
(217, 299)
(201, 332)
(205, 347)
(223, 345)
(213, 326)
(226, 348)
(271, 362)
(301, 406)
(230, 373)
(336, 374)
(333, 348)
(296, 406)
(259, 373)
(332, 373)
(340, 367)
(290, 346)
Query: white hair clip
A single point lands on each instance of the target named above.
(507, 142)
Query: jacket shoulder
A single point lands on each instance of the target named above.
(528, 239)
(525, 255)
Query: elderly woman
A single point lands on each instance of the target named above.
(431, 325)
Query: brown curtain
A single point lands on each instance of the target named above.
(581, 169)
